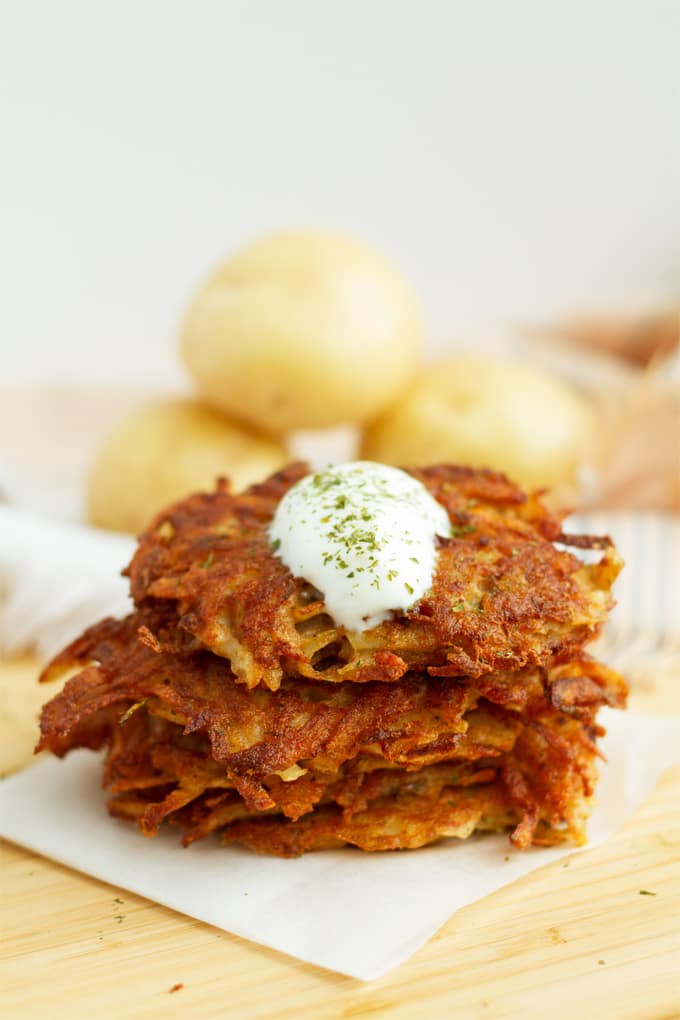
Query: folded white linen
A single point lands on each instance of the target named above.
(56, 579)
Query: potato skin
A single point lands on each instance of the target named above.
(303, 330)
(166, 451)
(487, 412)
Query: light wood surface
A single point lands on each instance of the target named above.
(576, 939)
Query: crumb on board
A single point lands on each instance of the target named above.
(176, 988)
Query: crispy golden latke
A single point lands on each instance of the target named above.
(254, 733)
(539, 789)
(316, 764)
(221, 704)
(503, 598)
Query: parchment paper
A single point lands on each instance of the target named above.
(353, 912)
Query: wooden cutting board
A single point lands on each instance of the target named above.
(577, 939)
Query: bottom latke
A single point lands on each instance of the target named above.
(157, 773)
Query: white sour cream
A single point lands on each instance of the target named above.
(364, 535)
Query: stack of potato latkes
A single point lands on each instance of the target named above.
(230, 701)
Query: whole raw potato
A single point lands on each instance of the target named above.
(487, 413)
(303, 330)
(166, 451)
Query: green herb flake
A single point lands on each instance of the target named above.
(646, 892)
(208, 561)
(276, 545)
(408, 587)
(458, 530)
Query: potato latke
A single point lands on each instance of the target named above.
(503, 596)
(229, 702)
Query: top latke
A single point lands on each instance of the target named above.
(503, 596)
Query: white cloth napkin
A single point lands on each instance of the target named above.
(357, 913)
(57, 578)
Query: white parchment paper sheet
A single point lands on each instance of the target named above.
(357, 913)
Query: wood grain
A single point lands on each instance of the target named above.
(575, 939)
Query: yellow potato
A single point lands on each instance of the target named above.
(487, 412)
(303, 330)
(164, 452)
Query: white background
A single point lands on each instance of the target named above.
(516, 158)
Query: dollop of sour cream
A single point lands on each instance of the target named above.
(364, 535)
